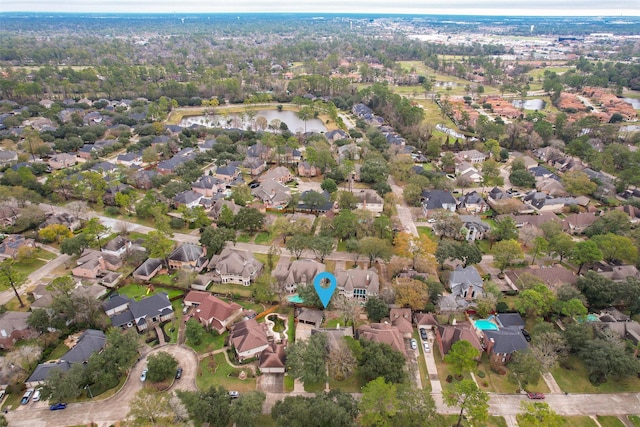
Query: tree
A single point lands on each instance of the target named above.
(161, 366)
(505, 229)
(149, 407)
(522, 178)
(491, 173)
(561, 245)
(39, 320)
(373, 248)
(380, 360)
(410, 293)
(374, 170)
(376, 309)
(414, 247)
(379, 402)
(120, 351)
(505, 252)
(324, 410)
(158, 245)
(616, 248)
(249, 219)
(10, 276)
(329, 185)
(347, 200)
(524, 369)
(307, 359)
(597, 289)
(468, 397)
(609, 359)
(353, 247)
(462, 357)
(416, 408)
(246, 409)
(540, 245)
(547, 347)
(612, 221)
(194, 331)
(321, 246)
(211, 406)
(445, 251)
(578, 183)
(241, 195)
(60, 386)
(214, 239)
(94, 229)
(573, 308)
(345, 224)
(535, 301)
(342, 363)
(539, 414)
(585, 252)
(467, 253)
(309, 295)
(55, 233)
(447, 224)
(297, 244)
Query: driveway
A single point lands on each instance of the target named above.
(110, 410)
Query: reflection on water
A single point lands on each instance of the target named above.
(634, 102)
(530, 104)
(267, 120)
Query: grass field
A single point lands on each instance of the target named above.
(635, 420)
(221, 373)
(230, 289)
(209, 343)
(137, 291)
(576, 380)
(353, 384)
(610, 421)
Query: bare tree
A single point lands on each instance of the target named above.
(342, 363)
(349, 308)
(547, 347)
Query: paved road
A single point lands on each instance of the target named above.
(108, 411)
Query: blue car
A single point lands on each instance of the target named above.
(58, 406)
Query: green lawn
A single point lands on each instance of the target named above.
(244, 238)
(222, 374)
(610, 421)
(576, 380)
(265, 421)
(353, 384)
(137, 291)
(499, 383)
(263, 238)
(228, 289)
(422, 366)
(209, 343)
(171, 329)
(314, 387)
(58, 352)
(291, 332)
(635, 419)
(493, 421)
(426, 231)
(288, 384)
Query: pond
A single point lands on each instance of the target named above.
(278, 323)
(634, 102)
(530, 104)
(263, 120)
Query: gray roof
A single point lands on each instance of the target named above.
(187, 253)
(115, 301)
(116, 243)
(510, 319)
(121, 319)
(148, 266)
(436, 199)
(462, 278)
(507, 340)
(43, 370)
(150, 306)
(90, 342)
(186, 197)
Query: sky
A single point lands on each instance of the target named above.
(620, 8)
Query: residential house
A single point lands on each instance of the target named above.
(117, 246)
(426, 320)
(273, 359)
(437, 199)
(362, 111)
(12, 243)
(357, 283)
(273, 194)
(14, 327)
(576, 223)
(369, 200)
(249, 339)
(540, 172)
(255, 165)
(530, 220)
(471, 156)
(502, 343)
(632, 211)
(116, 304)
(348, 152)
(309, 316)
(235, 266)
(201, 282)
(497, 194)
(336, 135)
(529, 162)
(90, 342)
(62, 161)
(472, 202)
(93, 264)
(143, 179)
(551, 187)
(129, 159)
(169, 166)
(279, 174)
(259, 151)
(227, 173)
(468, 172)
(189, 257)
(383, 333)
(307, 170)
(8, 157)
(447, 335)
(542, 202)
(216, 209)
(552, 276)
(401, 319)
(298, 272)
(466, 283)
(476, 228)
(146, 313)
(211, 311)
(207, 145)
(617, 273)
(189, 198)
(8, 216)
(148, 269)
(324, 208)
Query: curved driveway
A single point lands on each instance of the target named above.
(108, 411)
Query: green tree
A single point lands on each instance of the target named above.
(573, 308)
(158, 245)
(353, 247)
(161, 366)
(241, 195)
(585, 252)
(309, 295)
(246, 409)
(214, 239)
(212, 406)
(380, 360)
(376, 309)
(374, 170)
(561, 245)
(445, 251)
(578, 183)
(194, 332)
(345, 224)
(598, 290)
(93, 229)
(462, 357)
(524, 369)
(535, 301)
(616, 248)
(522, 178)
(468, 253)
(307, 359)
(540, 246)
(332, 409)
(60, 386)
(329, 185)
(505, 229)
(297, 244)
(313, 200)
(612, 221)
(39, 320)
(11, 276)
(609, 359)
(149, 407)
(373, 248)
(249, 219)
(539, 414)
(378, 404)
(322, 246)
(547, 347)
(505, 252)
(416, 408)
(470, 399)
(491, 173)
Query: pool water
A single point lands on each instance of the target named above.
(485, 325)
(295, 299)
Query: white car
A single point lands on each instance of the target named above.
(427, 349)
(234, 394)
(36, 396)
(431, 220)
(143, 376)
(414, 344)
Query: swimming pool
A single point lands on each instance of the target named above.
(295, 299)
(485, 325)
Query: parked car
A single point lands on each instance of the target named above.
(536, 396)
(26, 396)
(431, 220)
(234, 394)
(423, 334)
(143, 376)
(414, 344)
(526, 334)
(179, 373)
(36, 395)
(58, 406)
(427, 349)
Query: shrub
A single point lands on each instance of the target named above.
(449, 378)
(481, 374)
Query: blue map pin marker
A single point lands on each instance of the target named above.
(325, 294)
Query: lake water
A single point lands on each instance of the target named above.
(242, 121)
(634, 102)
(530, 104)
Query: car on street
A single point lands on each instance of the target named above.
(535, 396)
(58, 406)
(423, 334)
(427, 349)
(234, 394)
(414, 344)
(26, 396)
(143, 376)
(179, 373)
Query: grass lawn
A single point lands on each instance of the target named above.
(288, 384)
(610, 421)
(258, 308)
(426, 231)
(426, 384)
(330, 265)
(137, 291)
(209, 343)
(58, 352)
(499, 383)
(577, 421)
(353, 384)
(576, 380)
(263, 238)
(171, 329)
(635, 419)
(314, 387)
(230, 289)
(493, 421)
(165, 279)
(221, 373)
(244, 238)
(27, 266)
(265, 421)
(291, 332)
